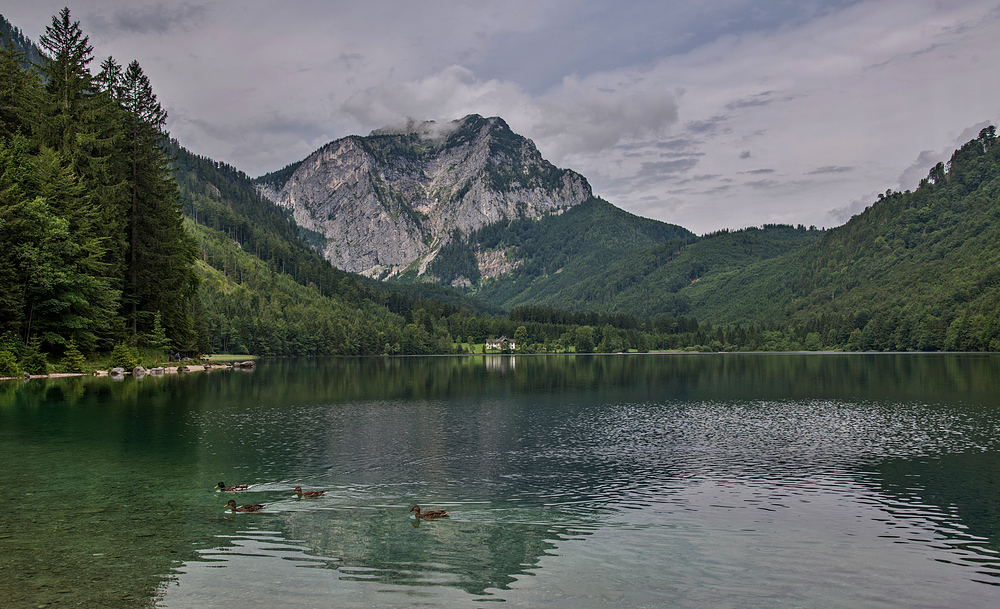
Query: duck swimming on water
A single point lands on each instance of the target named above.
(298, 489)
(244, 508)
(236, 487)
(428, 513)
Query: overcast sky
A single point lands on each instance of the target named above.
(710, 114)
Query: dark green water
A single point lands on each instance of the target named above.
(629, 481)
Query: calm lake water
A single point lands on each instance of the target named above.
(717, 480)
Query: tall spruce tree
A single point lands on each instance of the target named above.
(83, 124)
(159, 273)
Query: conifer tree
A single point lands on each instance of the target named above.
(33, 361)
(157, 338)
(160, 276)
(72, 359)
(83, 125)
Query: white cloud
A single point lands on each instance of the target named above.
(577, 117)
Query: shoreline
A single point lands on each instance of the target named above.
(205, 367)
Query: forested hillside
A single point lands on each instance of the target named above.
(652, 282)
(96, 252)
(552, 253)
(94, 248)
(917, 270)
(12, 35)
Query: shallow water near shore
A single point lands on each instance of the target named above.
(722, 480)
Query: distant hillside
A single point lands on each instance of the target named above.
(532, 261)
(916, 270)
(23, 44)
(658, 280)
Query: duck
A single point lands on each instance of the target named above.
(298, 489)
(244, 508)
(428, 513)
(236, 487)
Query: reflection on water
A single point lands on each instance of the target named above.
(499, 364)
(716, 480)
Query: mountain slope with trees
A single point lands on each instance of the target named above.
(916, 270)
(265, 291)
(552, 254)
(95, 248)
(656, 281)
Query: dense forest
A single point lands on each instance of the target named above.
(114, 236)
(95, 249)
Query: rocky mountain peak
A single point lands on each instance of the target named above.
(388, 201)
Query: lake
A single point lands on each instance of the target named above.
(687, 480)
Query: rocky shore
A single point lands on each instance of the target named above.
(139, 371)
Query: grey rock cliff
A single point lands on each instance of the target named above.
(388, 202)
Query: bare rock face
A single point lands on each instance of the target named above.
(389, 201)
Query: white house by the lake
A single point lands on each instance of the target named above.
(500, 344)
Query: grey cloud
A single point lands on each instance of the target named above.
(159, 18)
(677, 144)
(701, 178)
(756, 172)
(351, 60)
(662, 168)
(760, 99)
(953, 32)
(254, 146)
(582, 38)
(745, 154)
(583, 117)
(678, 155)
(709, 125)
(718, 189)
(903, 57)
(658, 171)
(831, 169)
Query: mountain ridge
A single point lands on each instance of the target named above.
(392, 199)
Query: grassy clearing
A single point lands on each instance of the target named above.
(228, 358)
